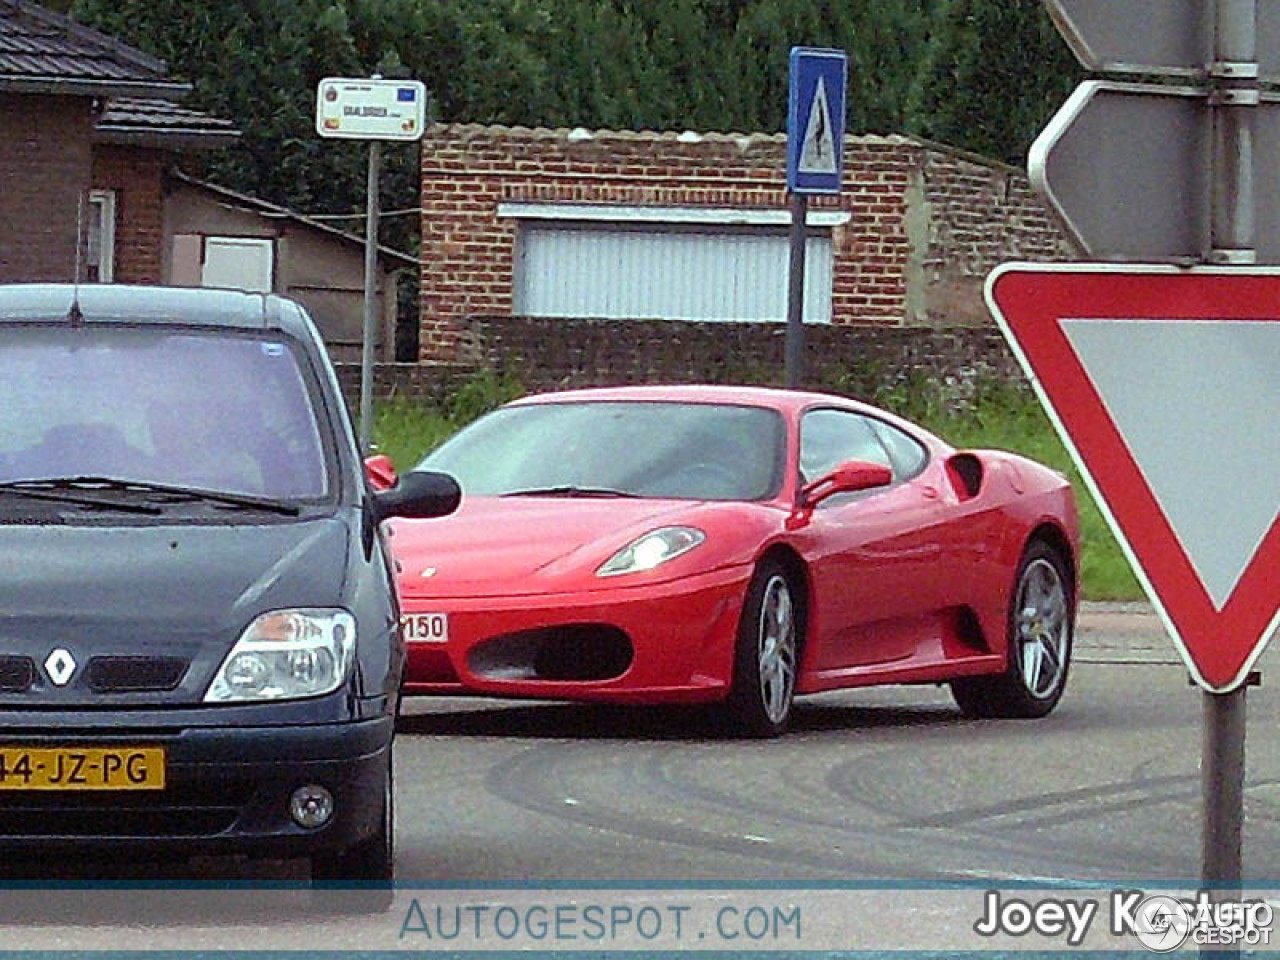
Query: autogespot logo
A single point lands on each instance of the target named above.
(1164, 923)
(1161, 923)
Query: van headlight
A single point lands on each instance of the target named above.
(287, 654)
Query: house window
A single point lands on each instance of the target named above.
(676, 263)
(238, 263)
(100, 237)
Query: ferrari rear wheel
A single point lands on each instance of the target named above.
(764, 667)
(1039, 643)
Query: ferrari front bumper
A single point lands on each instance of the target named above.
(677, 637)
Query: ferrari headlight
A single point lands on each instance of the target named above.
(653, 549)
(287, 654)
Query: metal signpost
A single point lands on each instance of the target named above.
(1168, 173)
(815, 165)
(371, 109)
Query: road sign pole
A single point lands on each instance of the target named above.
(373, 109)
(795, 290)
(1222, 788)
(1222, 801)
(370, 298)
(1234, 99)
(815, 164)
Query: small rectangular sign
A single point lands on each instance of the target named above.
(354, 109)
(815, 120)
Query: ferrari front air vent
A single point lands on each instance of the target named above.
(578, 652)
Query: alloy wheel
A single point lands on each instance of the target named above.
(777, 649)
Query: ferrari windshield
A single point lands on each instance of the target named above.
(696, 451)
(189, 408)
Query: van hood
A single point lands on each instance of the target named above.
(154, 593)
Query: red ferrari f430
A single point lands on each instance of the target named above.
(735, 545)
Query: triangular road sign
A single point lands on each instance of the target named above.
(818, 152)
(1165, 386)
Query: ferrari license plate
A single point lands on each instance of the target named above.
(426, 627)
(82, 768)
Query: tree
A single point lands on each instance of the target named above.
(975, 73)
(992, 75)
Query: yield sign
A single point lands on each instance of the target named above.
(1163, 384)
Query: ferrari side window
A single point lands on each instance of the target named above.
(909, 456)
(831, 437)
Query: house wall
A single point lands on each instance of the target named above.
(45, 163)
(926, 222)
(322, 272)
(136, 175)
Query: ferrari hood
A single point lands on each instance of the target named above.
(511, 545)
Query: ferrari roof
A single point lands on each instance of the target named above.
(774, 397)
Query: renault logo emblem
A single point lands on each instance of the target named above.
(60, 666)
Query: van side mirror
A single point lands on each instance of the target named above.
(849, 477)
(418, 495)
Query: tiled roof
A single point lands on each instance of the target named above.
(43, 50)
(273, 211)
(138, 120)
(743, 141)
(583, 135)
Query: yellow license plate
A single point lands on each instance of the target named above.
(82, 768)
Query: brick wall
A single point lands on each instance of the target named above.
(547, 353)
(44, 167)
(432, 382)
(552, 353)
(965, 215)
(137, 177)
(926, 222)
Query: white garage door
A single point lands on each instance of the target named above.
(593, 270)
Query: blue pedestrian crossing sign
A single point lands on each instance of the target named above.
(815, 120)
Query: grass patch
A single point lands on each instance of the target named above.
(996, 416)
(407, 430)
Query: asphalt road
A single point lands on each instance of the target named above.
(885, 783)
(873, 785)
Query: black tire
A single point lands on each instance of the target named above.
(1040, 623)
(359, 879)
(764, 673)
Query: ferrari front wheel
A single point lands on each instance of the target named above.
(765, 658)
(1040, 627)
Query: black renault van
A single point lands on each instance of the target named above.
(199, 643)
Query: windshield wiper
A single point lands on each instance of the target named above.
(49, 487)
(571, 491)
(41, 490)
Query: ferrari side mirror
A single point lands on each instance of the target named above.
(849, 477)
(380, 471)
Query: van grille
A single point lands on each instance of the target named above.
(134, 674)
(17, 674)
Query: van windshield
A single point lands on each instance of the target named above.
(211, 410)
